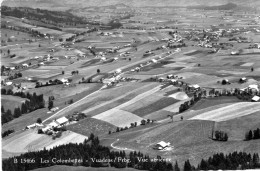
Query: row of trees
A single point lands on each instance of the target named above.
(90, 154)
(6, 133)
(221, 136)
(35, 102)
(143, 122)
(255, 134)
(231, 161)
(186, 105)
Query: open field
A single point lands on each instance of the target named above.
(204, 103)
(29, 140)
(11, 102)
(229, 112)
(91, 125)
(118, 117)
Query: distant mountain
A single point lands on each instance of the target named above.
(228, 6)
(133, 3)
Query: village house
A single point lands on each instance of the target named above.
(161, 145)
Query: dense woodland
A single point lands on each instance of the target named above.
(33, 103)
(91, 154)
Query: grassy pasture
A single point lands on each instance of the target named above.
(91, 125)
(160, 104)
(11, 102)
(204, 103)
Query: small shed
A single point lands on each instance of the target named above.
(161, 145)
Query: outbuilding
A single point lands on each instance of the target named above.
(161, 145)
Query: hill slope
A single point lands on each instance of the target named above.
(136, 3)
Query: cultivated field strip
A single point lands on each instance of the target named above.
(229, 112)
(118, 117)
(113, 100)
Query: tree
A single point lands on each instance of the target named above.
(187, 166)
(117, 129)
(8, 51)
(170, 117)
(50, 106)
(143, 122)
(39, 121)
(23, 108)
(3, 91)
(17, 112)
(91, 137)
(176, 167)
(70, 101)
(250, 135)
(98, 71)
(63, 72)
(225, 137)
(2, 109)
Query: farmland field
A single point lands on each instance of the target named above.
(11, 102)
(39, 141)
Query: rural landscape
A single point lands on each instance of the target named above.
(130, 85)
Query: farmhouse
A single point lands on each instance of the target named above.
(255, 99)
(64, 80)
(62, 121)
(242, 80)
(33, 126)
(194, 87)
(54, 109)
(253, 87)
(53, 124)
(154, 60)
(47, 128)
(161, 145)
(8, 83)
(25, 65)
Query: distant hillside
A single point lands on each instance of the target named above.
(135, 3)
(228, 6)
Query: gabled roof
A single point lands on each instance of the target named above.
(194, 86)
(53, 124)
(62, 120)
(256, 98)
(163, 144)
(253, 87)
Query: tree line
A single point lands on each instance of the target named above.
(35, 102)
(231, 161)
(252, 135)
(186, 105)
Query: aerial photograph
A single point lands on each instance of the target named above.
(128, 85)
